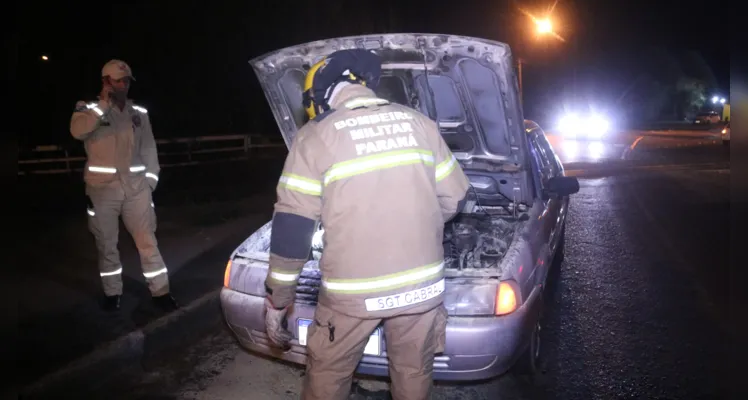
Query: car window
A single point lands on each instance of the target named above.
(546, 151)
(546, 170)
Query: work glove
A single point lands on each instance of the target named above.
(274, 319)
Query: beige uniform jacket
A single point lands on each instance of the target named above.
(119, 145)
(383, 182)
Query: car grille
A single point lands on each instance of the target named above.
(307, 289)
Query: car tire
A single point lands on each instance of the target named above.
(529, 363)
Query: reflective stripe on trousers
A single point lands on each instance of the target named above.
(139, 217)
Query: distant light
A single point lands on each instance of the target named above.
(715, 99)
(544, 26)
(596, 150)
(45, 58)
(722, 101)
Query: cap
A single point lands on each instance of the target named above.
(117, 69)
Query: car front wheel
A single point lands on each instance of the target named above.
(528, 363)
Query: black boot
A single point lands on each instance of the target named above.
(165, 302)
(111, 303)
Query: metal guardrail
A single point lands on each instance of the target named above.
(60, 159)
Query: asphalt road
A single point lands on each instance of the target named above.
(638, 309)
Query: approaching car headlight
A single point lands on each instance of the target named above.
(570, 125)
(597, 126)
(594, 126)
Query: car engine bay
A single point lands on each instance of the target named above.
(471, 240)
(477, 241)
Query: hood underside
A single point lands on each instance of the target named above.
(466, 84)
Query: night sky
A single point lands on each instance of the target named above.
(190, 57)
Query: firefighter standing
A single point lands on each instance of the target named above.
(121, 172)
(382, 181)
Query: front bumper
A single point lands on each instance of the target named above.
(477, 347)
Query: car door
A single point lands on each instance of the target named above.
(550, 167)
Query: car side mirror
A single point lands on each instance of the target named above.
(560, 186)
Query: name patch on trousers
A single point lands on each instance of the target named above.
(405, 299)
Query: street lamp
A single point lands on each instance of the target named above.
(544, 26)
(722, 100)
(715, 99)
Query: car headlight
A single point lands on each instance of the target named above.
(317, 239)
(570, 124)
(597, 126)
(470, 299)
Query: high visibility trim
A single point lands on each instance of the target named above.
(117, 272)
(137, 168)
(155, 273)
(95, 107)
(444, 168)
(152, 205)
(102, 170)
(152, 176)
(390, 159)
(284, 277)
(386, 282)
(139, 108)
(91, 212)
(301, 184)
(365, 101)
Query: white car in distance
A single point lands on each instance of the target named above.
(592, 126)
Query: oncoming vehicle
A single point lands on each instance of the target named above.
(498, 250)
(591, 126)
(709, 117)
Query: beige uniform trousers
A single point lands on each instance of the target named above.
(412, 341)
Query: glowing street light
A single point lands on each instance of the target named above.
(715, 99)
(722, 100)
(45, 58)
(544, 26)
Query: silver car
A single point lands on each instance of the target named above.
(498, 251)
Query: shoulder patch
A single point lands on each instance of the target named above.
(323, 115)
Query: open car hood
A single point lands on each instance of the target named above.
(475, 98)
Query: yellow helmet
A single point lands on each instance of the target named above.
(355, 66)
(309, 104)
